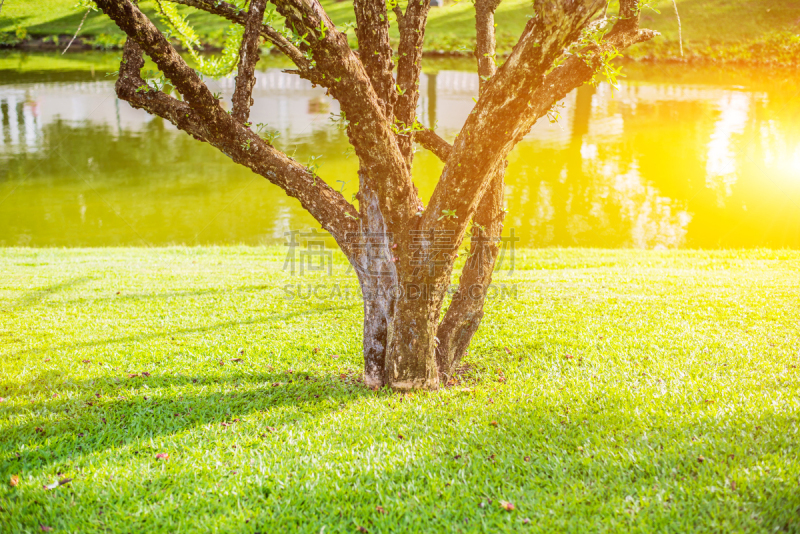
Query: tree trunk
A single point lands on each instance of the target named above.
(466, 309)
(411, 349)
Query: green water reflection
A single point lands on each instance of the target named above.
(677, 158)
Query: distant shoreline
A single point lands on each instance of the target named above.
(719, 55)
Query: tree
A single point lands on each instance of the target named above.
(403, 251)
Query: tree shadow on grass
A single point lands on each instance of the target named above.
(158, 408)
(34, 297)
(200, 329)
(529, 458)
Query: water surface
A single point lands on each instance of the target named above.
(677, 157)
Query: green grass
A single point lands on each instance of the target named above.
(624, 369)
(711, 28)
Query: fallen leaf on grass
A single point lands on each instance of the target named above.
(162, 456)
(315, 350)
(45, 528)
(57, 483)
(237, 360)
(362, 529)
(508, 351)
(527, 458)
(507, 506)
(701, 459)
(334, 356)
(133, 375)
(86, 361)
(493, 423)
(568, 356)
(145, 374)
(380, 509)
(14, 480)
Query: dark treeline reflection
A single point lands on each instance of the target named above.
(654, 165)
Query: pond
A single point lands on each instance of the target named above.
(677, 157)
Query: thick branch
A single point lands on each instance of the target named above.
(375, 51)
(132, 88)
(409, 68)
(337, 68)
(369, 128)
(248, 57)
(465, 313)
(486, 43)
(512, 101)
(466, 310)
(202, 116)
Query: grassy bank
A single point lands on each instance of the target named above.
(644, 391)
(738, 30)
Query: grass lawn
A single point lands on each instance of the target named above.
(452, 28)
(618, 390)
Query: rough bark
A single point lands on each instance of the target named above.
(431, 140)
(248, 57)
(465, 313)
(375, 51)
(500, 118)
(409, 68)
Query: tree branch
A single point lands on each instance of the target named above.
(431, 141)
(248, 57)
(233, 14)
(203, 117)
(132, 88)
(466, 310)
(504, 112)
(375, 51)
(409, 68)
(486, 43)
(465, 313)
(369, 129)
(337, 68)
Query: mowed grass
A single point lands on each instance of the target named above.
(452, 28)
(616, 391)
